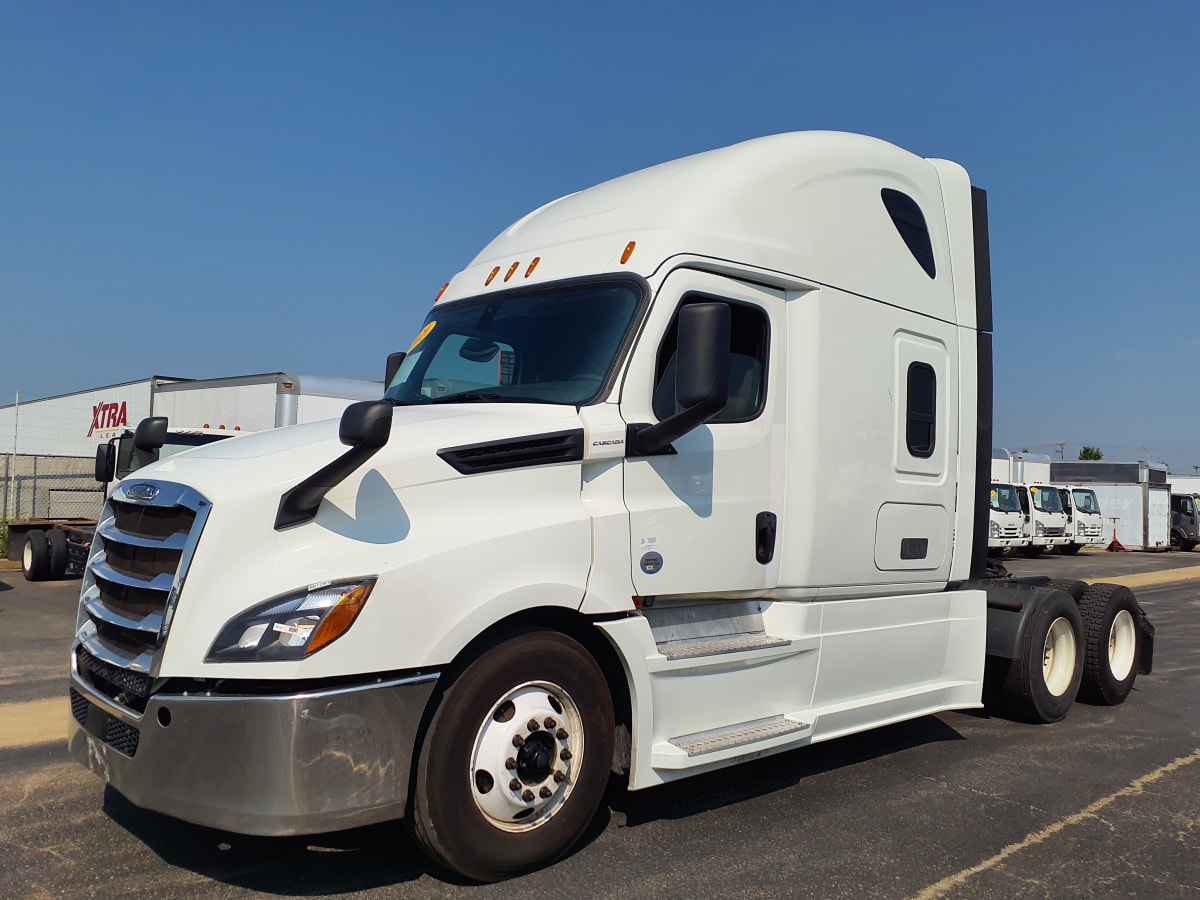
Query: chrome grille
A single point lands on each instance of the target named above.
(133, 578)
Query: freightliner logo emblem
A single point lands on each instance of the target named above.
(142, 491)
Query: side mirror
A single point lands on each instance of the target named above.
(393, 366)
(701, 377)
(149, 437)
(106, 462)
(151, 433)
(366, 424)
(365, 427)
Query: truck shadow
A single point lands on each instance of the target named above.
(312, 865)
(304, 866)
(746, 781)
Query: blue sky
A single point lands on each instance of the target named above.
(218, 188)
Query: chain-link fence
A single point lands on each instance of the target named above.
(48, 487)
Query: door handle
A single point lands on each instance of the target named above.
(764, 537)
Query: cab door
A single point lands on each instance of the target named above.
(704, 517)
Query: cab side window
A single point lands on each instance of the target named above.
(922, 410)
(749, 340)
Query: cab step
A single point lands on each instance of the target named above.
(730, 741)
(714, 646)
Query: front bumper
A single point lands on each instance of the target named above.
(279, 764)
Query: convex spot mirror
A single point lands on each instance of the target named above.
(478, 350)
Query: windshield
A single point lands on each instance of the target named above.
(1085, 501)
(1046, 499)
(176, 443)
(1004, 498)
(556, 345)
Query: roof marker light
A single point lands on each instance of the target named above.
(628, 252)
(443, 290)
(532, 265)
(511, 269)
(494, 273)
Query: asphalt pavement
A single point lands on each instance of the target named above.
(1106, 803)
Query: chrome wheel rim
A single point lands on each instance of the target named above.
(527, 756)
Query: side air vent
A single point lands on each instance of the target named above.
(537, 450)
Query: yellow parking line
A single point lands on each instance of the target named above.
(22, 724)
(1146, 579)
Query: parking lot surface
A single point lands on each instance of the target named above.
(1106, 803)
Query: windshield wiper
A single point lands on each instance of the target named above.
(467, 397)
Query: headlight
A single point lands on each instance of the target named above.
(1039, 529)
(994, 528)
(293, 626)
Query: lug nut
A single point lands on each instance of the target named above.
(544, 792)
(561, 734)
(510, 763)
(549, 723)
(518, 741)
(564, 754)
(514, 785)
(527, 796)
(532, 725)
(560, 777)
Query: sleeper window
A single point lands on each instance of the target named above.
(922, 405)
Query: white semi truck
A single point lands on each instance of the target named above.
(682, 470)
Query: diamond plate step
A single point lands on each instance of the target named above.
(703, 742)
(713, 646)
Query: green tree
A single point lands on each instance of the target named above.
(1091, 453)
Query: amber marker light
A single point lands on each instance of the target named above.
(339, 619)
(628, 252)
(532, 265)
(443, 290)
(511, 269)
(492, 276)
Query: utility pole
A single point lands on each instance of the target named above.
(1062, 449)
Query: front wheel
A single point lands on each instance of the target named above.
(1041, 685)
(1110, 633)
(1033, 551)
(516, 758)
(1070, 549)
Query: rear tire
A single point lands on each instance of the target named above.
(1070, 549)
(57, 541)
(494, 797)
(1042, 684)
(35, 557)
(1111, 648)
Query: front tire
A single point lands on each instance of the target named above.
(35, 557)
(1070, 549)
(1110, 632)
(516, 758)
(1042, 684)
(1033, 551)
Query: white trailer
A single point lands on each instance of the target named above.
(258, 402)
(614, 513)
(1135, 498)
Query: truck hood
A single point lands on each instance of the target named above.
(273, 461)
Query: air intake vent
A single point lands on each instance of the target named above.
(538, 450)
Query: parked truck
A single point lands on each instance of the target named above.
(1085, 520)
(1045, 520)
(1007, 516)
(199, 412)
(1185, 522)
(615, 513)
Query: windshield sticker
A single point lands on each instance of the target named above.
(420, 337)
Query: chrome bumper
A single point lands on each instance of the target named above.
(298, 763)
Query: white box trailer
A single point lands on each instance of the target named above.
(258, 402)
(1134, 497)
